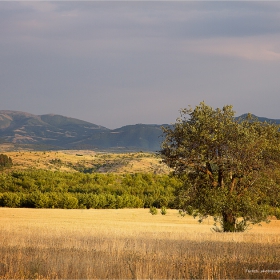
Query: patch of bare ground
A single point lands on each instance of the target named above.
(130, 244)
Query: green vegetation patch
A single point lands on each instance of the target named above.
(47, 189)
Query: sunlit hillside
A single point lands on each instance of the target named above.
(88, 161)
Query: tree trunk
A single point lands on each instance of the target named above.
(221, 177)
(229, 222)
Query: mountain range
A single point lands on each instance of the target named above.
(56, 132)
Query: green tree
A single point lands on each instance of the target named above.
(226, 164)
(5, 162)
(9, 199)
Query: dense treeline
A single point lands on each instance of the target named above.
(46, 189)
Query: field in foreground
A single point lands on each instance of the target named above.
(130, 244)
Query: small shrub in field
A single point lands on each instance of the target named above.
(163, 210)
(153, 210)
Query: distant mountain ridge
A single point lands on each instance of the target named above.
(262, 119)
(60, 132)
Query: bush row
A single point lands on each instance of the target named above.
(69, 201)
(47, 189)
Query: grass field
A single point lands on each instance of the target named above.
(131, 244)
(73, 160)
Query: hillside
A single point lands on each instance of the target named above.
(132, 137)
(53, 132)
(19, 130)
(86, 161)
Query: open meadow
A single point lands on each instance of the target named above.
(131, 244)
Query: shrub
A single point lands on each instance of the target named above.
(9, 199)
(37, 200)
(153, 210)
(163, 210)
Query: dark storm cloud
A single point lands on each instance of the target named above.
(116, 63)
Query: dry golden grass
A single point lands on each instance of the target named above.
(69, 159)
(130, 244)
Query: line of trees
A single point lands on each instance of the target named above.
(47, 189)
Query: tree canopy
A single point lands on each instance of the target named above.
(228, 165)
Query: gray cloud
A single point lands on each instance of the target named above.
(117, 63)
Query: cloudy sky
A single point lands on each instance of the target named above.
(126, 62)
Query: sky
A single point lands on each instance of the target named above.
(115, 63)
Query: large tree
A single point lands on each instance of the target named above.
(227, 165)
